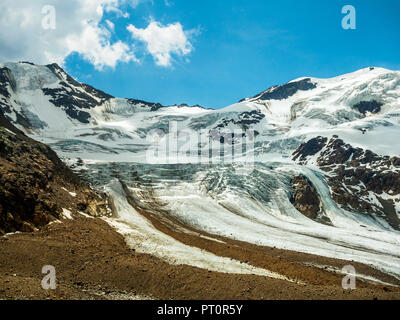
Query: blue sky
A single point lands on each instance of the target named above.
(239, 48)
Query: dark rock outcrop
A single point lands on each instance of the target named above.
(245, 120)
(73, 96)
(6, 80)
(368, 106)
(305, 198)
(151, 105)
(287, 90)
(360, 180)
(310, 148)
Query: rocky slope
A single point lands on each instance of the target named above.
(94, 262)
(36, 187)
(359, 179)
(305, 198)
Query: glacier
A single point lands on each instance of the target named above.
(111, 139)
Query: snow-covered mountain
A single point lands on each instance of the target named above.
(362, 108)
(325, 175)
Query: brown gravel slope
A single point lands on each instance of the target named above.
(92, 261)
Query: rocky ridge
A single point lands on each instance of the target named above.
(36, 187)
(360, 180)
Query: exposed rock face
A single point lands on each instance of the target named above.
(6, 79)
(73, 96)
(153, 106)
(305, 198)
(287, 90)
(35, 186)
(245, 120)
(368, 106)
(310, 148)
(360, 180)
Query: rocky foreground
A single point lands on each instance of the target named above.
(36, 187)
(92, 261)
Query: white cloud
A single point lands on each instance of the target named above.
(77, 30)
(95, 47)
(110, 25)
(163, 41)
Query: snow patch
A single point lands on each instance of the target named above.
(67, 214)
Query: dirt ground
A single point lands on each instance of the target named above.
(92, 261)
